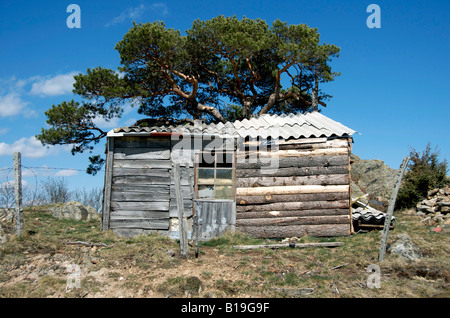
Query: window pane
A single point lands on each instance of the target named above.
(223, 192)
(224, 176)
(206, 174)
(205, 191)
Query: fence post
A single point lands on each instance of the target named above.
(390, 210)
(18, 192)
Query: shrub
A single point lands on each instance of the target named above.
(424, 172)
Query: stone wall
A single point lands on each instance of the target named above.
(436, 206)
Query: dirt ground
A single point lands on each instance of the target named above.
(53, 259)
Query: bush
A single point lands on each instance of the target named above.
(55, 190)
(93, 197)
(424, 172)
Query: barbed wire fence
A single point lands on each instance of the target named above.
(34, 192)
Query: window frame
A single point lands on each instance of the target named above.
(230, 182)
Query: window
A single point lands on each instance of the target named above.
(215, 175)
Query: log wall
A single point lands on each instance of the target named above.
(300, 189)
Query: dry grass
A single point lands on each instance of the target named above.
(35, 264)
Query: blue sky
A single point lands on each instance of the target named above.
(393, 88)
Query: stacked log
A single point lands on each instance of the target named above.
(302, 188)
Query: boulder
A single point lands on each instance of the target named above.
(74, 211)
(2, 236)
(372, 177)
(6, 215)
(405, 248)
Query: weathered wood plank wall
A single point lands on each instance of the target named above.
(139, 195)
(140, 185)
(305, 191)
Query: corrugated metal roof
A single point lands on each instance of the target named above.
(368, 215)
(293, 125)
(285, 126)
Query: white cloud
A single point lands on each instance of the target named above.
(13, 92)
(128, 14)
(52, 86)
(115, 122)
(28, 147)
(66, 173)
(133, 13)
(102, 123)
(11, 184)
(11, 104)
(161, 7)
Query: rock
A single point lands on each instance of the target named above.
(405, 248)
(426, 208)
(74, 211)
(171, 253)
(6, 215)
(437, 229)
(373, 177)
(432, 192)
(430, 202)
(2, 236)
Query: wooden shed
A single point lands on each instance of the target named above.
(271, 176)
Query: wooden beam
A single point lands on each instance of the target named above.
(291, 189)
(290, 213)
(273, 198)
(283, 206)
(161, 205)
(291, 171)
(180, 208)
(18, 192)
(293, 153)
(331, 179)
(108, 184)
(390, 210)
(142, 153)
(284, 162)
(291, 245)
(143, 163)
(297, 220)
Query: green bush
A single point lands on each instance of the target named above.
(424, 172)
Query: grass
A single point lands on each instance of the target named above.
(181, 286)
(34, 264)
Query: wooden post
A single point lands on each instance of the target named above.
(196, 225)
(106, 213)
(18, 192)
(390, 211)
(182, 223)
